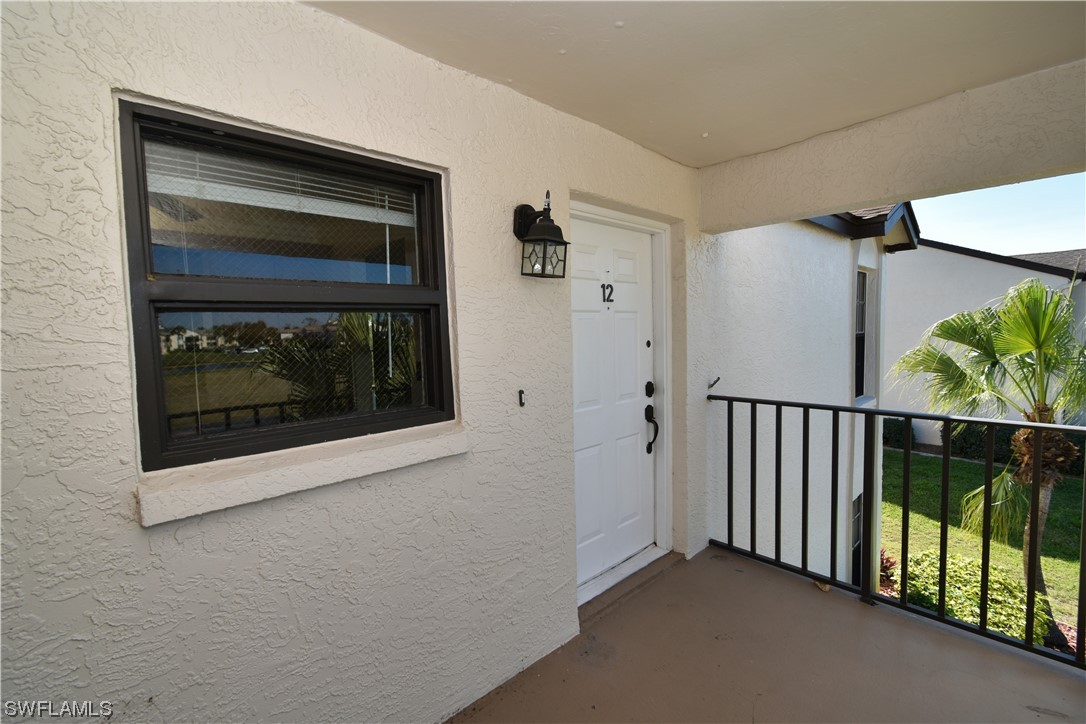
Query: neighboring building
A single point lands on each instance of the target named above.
(1072, 261)
(939, 280)
(838, 264)
(398, 507)
(186, 339)
(1069, 259)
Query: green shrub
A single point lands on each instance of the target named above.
(887, 569)
(893, 433)
(971, 443)
(972, 440)
(1006, 594)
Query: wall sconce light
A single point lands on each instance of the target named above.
(544, 248)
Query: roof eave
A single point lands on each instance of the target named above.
(853, 227)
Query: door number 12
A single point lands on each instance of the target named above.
(608, 293)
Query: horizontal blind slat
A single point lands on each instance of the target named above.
(214, 176)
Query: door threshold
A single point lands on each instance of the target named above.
(614, 575)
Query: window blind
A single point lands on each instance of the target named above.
(200, 173)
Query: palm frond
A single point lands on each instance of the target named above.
(973, 330)
(314, 367)
(950, 386)
(1009, 505)
(356, 328)
(1032, 319)
(1072, 393)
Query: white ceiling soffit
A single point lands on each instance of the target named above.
(706, 82)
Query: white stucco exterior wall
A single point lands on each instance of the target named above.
(775, 320)
(1025, 128)
(928, 284)
(399, 596)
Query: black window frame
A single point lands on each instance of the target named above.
(859, 380)
(153, 292)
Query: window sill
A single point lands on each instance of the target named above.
(166, 495)
(866, 401)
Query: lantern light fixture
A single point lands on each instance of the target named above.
(544, 253)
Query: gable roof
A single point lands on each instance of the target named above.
(874, 221)
(1070, 259)
(874, 211)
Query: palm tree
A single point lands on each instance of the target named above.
(330, 374)
(316, 370)
(1023, 354)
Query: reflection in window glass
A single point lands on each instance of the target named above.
(230, 215)
(235, 370)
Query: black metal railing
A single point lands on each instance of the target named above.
(227, 414)
(787, 490)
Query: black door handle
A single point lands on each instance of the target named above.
(650, 417)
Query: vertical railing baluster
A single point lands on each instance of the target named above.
(777, 490)
(944, 518)
(753, 477)
(906, 486)
(986, 527)
(731, 473)
(835, 461)
(1080, 649)
(806, 483)
(1034, 558)
(867, 522)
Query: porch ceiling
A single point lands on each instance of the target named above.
(753, 76)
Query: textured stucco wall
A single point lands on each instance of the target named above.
(927, 285)
(400, 596)
(1024, 128)
(776, 321)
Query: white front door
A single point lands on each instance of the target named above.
(611, 270)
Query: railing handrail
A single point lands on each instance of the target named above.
(232, 408)
(1075, 429)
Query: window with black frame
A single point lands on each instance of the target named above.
(284, 293)
(859, 377)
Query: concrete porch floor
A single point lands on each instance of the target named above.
(724, 638)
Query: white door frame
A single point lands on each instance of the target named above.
(661, 400)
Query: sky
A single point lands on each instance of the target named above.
(1023, 218)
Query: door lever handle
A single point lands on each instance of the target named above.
(650, 417)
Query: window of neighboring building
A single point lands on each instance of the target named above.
(283, 293)
(861, 334)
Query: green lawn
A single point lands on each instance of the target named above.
(195, 358)
(1059, 550)
(223, 388)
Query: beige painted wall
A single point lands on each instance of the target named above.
(1024, 128)
(401, 595)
